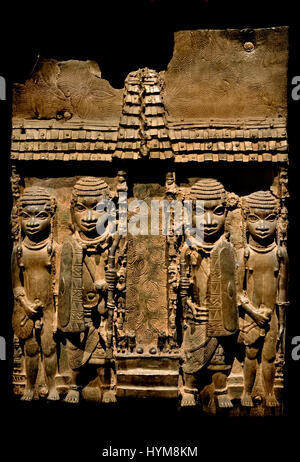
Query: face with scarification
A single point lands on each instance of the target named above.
(86, 215)
(35, 220)
(261, 224)
(212, 219)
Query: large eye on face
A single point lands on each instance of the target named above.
(43, 215)
(79, 207)
(220, 210)
(271, 217)
(24, 215)
(253, 218)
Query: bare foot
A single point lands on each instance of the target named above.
(109, 396)
(53, 395)
(246, 400)
(224, 401)
(72, 397)
(188, 399)
(271, 401)
(28, 395)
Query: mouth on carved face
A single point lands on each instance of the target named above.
(89, 226)
(32, 230)
(210, 229)
(262, 234)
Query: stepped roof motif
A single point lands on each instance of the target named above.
(144, 135)
(207, 106)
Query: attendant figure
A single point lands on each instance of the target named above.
(262, 277)
(34, 261)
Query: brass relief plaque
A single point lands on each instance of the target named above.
(117, 294)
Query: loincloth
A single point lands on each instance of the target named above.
(250, 332)
(198, 348)
(81, 349)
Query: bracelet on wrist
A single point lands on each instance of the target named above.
(285, 304)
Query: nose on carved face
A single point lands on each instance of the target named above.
(262, 226)
(89, 218)
(32, 223)
(208, 220)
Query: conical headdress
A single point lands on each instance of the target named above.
(262, 200)
(35, 195)
(90, 186)
(208, 189)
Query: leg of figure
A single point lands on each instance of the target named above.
(268, 368)
(73, 394)
(32, 350)
(50, 360)
(189, 390)
(220, 366)
(219, 379)
(105, 374)
(250, 367)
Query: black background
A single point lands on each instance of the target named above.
(121, 37)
